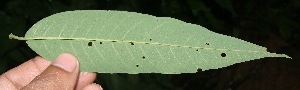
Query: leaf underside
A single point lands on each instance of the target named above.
(129, 42)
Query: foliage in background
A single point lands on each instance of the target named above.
(270, 23)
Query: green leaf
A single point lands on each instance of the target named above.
(129, 42)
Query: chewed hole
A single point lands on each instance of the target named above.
(199, 70)
(42, 39)
(90, 44)
(197, 50)
(137, 65)
(206, 43)
(223, 54)
(150, 39)
(131, 43)
(100, 42)
(143, 57)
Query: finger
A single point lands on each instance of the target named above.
(93, 86)
(85, 78)
(60, 75)
(23, 74)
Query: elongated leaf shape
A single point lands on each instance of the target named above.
(129, 42)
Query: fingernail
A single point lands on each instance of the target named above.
(66, 61)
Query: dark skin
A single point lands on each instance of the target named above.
(40, 74)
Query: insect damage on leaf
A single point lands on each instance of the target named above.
(129, 42)
(90, 44)
(223, 54)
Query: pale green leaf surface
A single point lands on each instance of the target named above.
(129, 42)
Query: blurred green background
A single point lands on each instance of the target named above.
(274, 24)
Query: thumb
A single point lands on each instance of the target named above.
(62, 74)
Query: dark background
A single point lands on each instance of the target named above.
(270, 23)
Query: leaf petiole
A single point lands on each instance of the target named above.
(12, 36)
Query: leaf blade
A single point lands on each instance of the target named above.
(128, 42)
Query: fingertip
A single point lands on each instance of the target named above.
(93, 86)
(87, 74)
(85, 78)
(41, 63)
(66, 61)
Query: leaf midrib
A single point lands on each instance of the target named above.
(130, 41)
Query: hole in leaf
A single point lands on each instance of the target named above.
(39, 39)
(150, 39)
(137, 65)
(143, 57)
(223, 54)
(90, 44)
(197, 50)
(100, 42)
(67, 39)
(206, 43)
(199, 70)
(131, 43)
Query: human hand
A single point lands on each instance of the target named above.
(39, 74)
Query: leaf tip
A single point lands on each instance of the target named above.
(278, 55)
(286, 56)
(283, 55)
